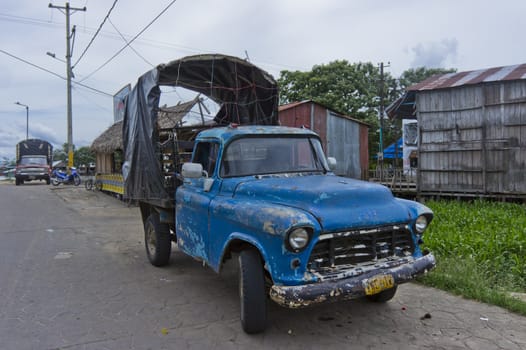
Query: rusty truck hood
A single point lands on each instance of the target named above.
(338, 203)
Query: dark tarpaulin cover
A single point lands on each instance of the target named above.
(31, 147)
(247, 95)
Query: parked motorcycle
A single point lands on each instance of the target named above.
(61, 177)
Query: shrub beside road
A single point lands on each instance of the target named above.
(481, 251)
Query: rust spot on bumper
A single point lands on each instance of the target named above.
(346, 288)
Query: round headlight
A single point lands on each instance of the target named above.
(421, 224)
(298, 238)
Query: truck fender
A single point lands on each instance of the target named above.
(236, 242)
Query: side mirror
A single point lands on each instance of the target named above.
(192, 170)
(332, 162)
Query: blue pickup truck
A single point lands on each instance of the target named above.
(266, 195)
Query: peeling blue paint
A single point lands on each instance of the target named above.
(261, 210)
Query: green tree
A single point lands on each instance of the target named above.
(354, 89)
(351, 89)
(83, 155)
(61, 153)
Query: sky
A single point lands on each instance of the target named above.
(275, 35)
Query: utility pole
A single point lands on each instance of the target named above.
(67, 11)
(382, 111)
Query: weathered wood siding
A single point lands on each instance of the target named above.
(103, 163)
(473, 139)
(342, 138)
(344, 145)
(310, 115)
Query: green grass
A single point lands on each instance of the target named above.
(480, 249)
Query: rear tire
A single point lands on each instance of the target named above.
(17, 182)
(48, 181)
(54, 181)
(76, 180)
(383, 296)
(157, 241)
(252, 292)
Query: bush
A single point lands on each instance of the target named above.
(480, 248)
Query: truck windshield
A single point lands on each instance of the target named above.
(33, 160)
(273, 155)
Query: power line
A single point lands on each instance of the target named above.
(53, 73)
(32, 64)
(131, 47)
(79, 91)
(149, 42)
(132, 40)
(91, 88)
(27, 20)
(96, 33)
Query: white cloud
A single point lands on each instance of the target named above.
(435, 54)
(292, 35)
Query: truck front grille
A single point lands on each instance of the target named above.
(361, 245)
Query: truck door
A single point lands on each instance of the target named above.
(193, 204)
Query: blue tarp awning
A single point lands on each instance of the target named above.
(394, 150)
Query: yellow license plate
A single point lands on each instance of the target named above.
(378, 283)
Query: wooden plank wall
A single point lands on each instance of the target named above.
(103, 163)
(343, 143)
(473, 139)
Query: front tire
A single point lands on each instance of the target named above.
(76, 180)
(252, 292)
(157, 241)
(55, 182)
(383, 296)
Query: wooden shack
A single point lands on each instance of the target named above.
(343, 137)
(472, 133)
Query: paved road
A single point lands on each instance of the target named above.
(73, 275)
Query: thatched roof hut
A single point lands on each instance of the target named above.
(168, 118)
(110, 140)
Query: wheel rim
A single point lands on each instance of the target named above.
(151, 241)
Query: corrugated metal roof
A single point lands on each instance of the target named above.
(449, 80)
(292, 105)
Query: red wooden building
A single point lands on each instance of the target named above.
(343, 137)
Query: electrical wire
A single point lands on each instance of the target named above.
(95, 35)
(91, 88)
(32, 64)
(132, 40)
(55, 74)
(149, 42)
(131, 47)
(79, 92)
(27, 20)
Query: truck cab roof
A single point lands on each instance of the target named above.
(225, 134)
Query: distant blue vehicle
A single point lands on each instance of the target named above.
(62, 177)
